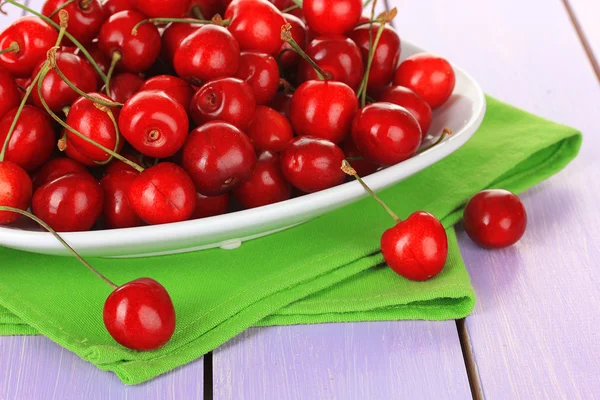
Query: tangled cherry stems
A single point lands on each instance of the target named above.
(67, 34)
(61, 240)
(217, 20)
(80, 92)
(348, 170)
(286, 36)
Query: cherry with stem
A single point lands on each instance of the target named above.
(286, 36)
(84, 4)
(12, 48)
(116, 57)
(447, 132)
(216, 21)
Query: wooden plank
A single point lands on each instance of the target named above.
(380, 360)
(586, 14)
(534, 329)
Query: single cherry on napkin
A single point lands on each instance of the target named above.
(495, 219)
(416, 248)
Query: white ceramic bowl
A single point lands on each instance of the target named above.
(463, 113)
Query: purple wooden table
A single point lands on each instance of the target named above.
(534, 331)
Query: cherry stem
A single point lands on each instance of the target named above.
(116, 57)
(84, 94)
(287, 87)
(286, 36)
(447, 132)
(62, 123)
(347, 168)
(111, 115)
(62, 241)
(67, 34)
(197, 12)
(65, 4)
(134, 31)
(13, 48)
(292, 8)
(366, 3)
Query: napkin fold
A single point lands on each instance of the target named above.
(326, 270)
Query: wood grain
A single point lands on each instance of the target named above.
(534, 330)
(382, 360)
(586, 14)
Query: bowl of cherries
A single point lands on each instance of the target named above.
(139, 128)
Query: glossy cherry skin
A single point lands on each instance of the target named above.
(218, 157)
(55, 91)
(362, 166)
(173, 36)
(282, 103)
(428, 75)
(208, 8)
(139, 51)
(286, 56)
(34, 37)
(336, 55)
(256, 24)
(123, 86)
(495, 219)
(173, 86)
(331, 17)
(154, 123)
(95, 124)
(210, 206)
(71, 203)
(84, 22)
(114, 6)
(226, 99)
(404, 97)
(117, 165)
(266, 186)
(386, 133)
(311, 164)
(56, 168)
(261, 72)
(16, 190)
(269, 130)
(416, 248)
(163, 194)
(386, 55)
(33, 139)
(117, 212)
(208, 53)
(140, 315)
(99, 58)
(9, 93)
(162, 8)
(323, 109)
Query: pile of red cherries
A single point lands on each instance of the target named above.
(130, 112)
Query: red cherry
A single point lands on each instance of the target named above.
(208, 8)
(85, 17)
(386, 133)
(428, 75)
(208, 53)
(56, 168)
(336, 55)
(312, 164)
(287, 57)
(363, 167)
(123, 86)
(261, 72)
(331, 17)
(15, 192)
(256, 24)
(55, 91)
(140, 315)
(71, 203)
(94, 123)
(138, 51)
(218, 157)
(269, 130)
(175, 87)
(162, 8)
(226, 99)
(495, 219)
(33, 139)
(173, 36)
(386, 56)
(281, 103)
(34, 38)
(114, 6)
(163, 194)
(416, 248)
(266, 186)
(117, 165)
(210, 206)
(9, 93)
(404, 97)
(323, 109)
(154, 123)
(117, 212)
(99, 58)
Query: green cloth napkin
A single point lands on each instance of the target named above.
(326, 270)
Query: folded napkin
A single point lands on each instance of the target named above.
(326, 270)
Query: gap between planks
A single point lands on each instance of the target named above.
(208, 376)
(583, 39)
(469, 359)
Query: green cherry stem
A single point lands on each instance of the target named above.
(197, 12)
(116, 57)
(12, 48)
(348, 170)
(134, 31)
(111, 115)
(292, 8)
(286, 36)
(84, 94)
(447, 132)
(67, 34)
(62, 241)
